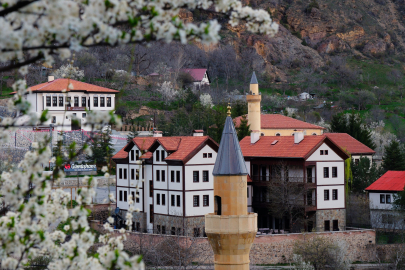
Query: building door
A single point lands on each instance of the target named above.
(76, 125)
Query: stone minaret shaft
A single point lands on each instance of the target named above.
(231, 229)
(253, 100)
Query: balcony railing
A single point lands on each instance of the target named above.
(269, 178)
(76, 108)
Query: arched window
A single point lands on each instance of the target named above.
(217, 206)
(314, 133)
(278, 134)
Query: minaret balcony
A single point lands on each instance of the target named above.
(253, 98)
(233, 224)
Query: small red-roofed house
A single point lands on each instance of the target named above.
(199, 75)
(170, 179)
(314, 163)
(66, 99)
(381, 195)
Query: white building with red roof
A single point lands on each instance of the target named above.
(314, 163)
(199, 75)
(64, 103)
(381, 195)
(171, 180)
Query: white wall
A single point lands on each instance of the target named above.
(248, 167)
(160, 149)
(175, 185)
(370, 157)
(316, 156)
(339, 180)
(122, 204)
(176, 210)
(160, 184)
(200, 210)
(190, 185)
(139, 204)
(322, 204)
(199, 159)
(375, 201)
(161, 209)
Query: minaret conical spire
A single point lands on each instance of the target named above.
(253, 80)
(230, 160)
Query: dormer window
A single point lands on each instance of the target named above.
(163, 155)
(157, 155)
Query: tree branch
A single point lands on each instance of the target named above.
(20, 64)
(16, 7)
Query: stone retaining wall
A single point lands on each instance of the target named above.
(268, 249)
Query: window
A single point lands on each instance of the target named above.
(102, 102)
(108, 102)
(178, 200)
(150, 213)
(205, 176)
(172, 200)
(248, 192)
(382, 198)
(133, 195)
(137, 174)
(171, 176)
(334, 172)
(178, 231)
(158, 228)
(48, 101)
(313, 133)
(150, 188)
(138, 226)
(326, 152)
(68, 99)
(388, 198)
(321, 152)
(132, 154)
(74, 114)
(204, 155)
(95, 101)
(84, 115)
(61, 101)
(53, 119)
(132, 174)
(196, 232)
(327, 225)
(278, 134)
(163, 155)
(76, 101)
(196, 176)
(157, 155)
(196, 200)
(83, 101)
(120, 195)
(178, 176)
(157, 198)
(209, 155)
(125, 196)
(157, 175)
(326, 172)
(326, 194)
(120, 173)
(137, 197)
(163, 199)
(163, 229)
(163, 175)
(206, 200)
(334, 194)
(125, 173)
(173, 231)
(137, 155)
(54, 101)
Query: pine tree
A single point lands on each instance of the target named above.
(364, 174)
(399, 201)
(393, 159)
(353, 126)
(244, 129)
(132, 134)
(102, 148)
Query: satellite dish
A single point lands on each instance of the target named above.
(117, 210)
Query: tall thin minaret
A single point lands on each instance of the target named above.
(253, 100)
(231, 229)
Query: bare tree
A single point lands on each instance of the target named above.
(363, 98)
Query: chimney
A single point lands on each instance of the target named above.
(254, 136)
(298, 136)
(157, 133)
(198, 132)
(51, 78)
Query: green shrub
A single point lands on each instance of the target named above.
(313, 4)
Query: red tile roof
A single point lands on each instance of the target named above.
(60, 84)
(273, 121)
(350, 144)
(390, 181)
(285, 147)
(180, 147)
(196, 73)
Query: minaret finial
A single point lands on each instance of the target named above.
(229, 109)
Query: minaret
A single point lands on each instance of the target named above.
(253, 100)
(231, 229)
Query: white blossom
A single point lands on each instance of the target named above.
(206, 100)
